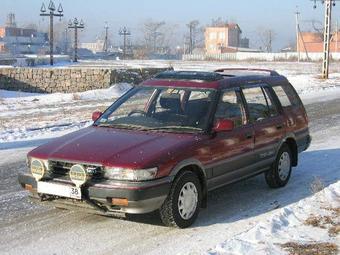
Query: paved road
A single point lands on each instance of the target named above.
(28, 228)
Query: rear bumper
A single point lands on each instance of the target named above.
(142, 197)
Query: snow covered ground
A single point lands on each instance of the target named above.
(26, 116)
(242, 218)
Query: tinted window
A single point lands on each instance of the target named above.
(160, 108)
(230, 107)
(259, 103)
(281, 94)
(287, 95)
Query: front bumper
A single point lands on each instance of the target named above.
(142, 197)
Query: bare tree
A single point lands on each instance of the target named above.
(266, 37)
(219, 22)
(158, 36)
(153, 34)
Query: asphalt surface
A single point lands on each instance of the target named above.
(29, 228)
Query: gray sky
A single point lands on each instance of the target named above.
(250, 14)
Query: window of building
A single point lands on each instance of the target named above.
(222, 35)
(212, 35)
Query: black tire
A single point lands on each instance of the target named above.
(273, 177)
(169, 211)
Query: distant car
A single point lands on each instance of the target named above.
(168, 141)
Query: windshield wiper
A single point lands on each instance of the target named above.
(122, 126)
(186, 128)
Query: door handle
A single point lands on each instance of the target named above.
(279, 126)
(249, 135)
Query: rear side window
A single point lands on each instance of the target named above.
(287, 96)
(230, 107)
(260, 104)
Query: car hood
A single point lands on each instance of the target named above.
(115, 147)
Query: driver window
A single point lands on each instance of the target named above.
(230, 107)
(136, 105)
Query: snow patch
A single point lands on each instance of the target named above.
(286, 225)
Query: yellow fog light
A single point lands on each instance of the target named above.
(78, 175)
(37, 169)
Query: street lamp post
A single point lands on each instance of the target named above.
(106, 37)
(124, 32)
(51, 14)
(76, 25)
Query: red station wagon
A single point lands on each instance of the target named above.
(168, 141)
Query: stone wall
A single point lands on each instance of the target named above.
(69, 80)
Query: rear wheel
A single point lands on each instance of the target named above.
(278, 176)
(181, 207)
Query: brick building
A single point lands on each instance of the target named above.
(313, 42)
(16, 40)
(219, 38)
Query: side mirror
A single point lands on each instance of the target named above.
(96, 115)
(223, 125)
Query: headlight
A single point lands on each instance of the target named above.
(116, 173)
(39, 168)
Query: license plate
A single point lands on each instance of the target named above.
(59, 190)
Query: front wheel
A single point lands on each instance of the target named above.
(278, 176)
(181, 207)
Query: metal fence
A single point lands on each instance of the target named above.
(260, 56)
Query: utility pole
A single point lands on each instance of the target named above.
(106, 37)
(271, 40)
(297, 13)
(327, 34)
(124, 32)
(65, 42)
(336, 36)
(52, 14)
(76, 25)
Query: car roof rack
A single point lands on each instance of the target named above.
(222, 70)
(190, 75)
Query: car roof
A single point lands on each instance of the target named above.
(218, 79)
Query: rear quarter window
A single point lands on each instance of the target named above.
(287, 95)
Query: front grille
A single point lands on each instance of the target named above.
(60, 170)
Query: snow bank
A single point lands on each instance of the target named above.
(112, 92)
(286, 225)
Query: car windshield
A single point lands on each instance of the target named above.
(161, 109)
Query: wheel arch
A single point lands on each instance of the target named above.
(197, 168)
(290, 141)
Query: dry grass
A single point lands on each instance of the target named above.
(316, 185)
(311, 249)
(319, 221)
(334, 230)
(335, 211)
(332, 222)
